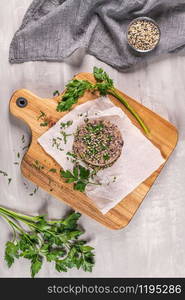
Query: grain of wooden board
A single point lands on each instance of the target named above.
(162, 134)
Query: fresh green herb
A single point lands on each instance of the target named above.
(37, 165)
(110, 138)
(34, 192)
(56, 93)
(44, 118)
(106, 156)
(74, 90)
(79, 176)
(42, 115)
(95, 171)
(66, 125)
(92, 151)
(18, 155)
(56, 143)
(103, 147)
(104, 85)
(95, 128)
(53, 170)
(55, 241)
(3, 173)
(71, 154)
(9, 180)
(114, 179)
(44, 124)
(25, 147)
(65, 135)
(23, 139)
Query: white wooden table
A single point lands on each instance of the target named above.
(153, 244)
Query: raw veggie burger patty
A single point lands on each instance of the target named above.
(98, 143)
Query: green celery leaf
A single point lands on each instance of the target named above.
(100, 76)
(66, 174)
(84, 173)
(36, 265)
(70, 180)
(87, 266)
(42, 225)
(11, 252)
(86, 248)
(55, 254)
(74, 90)
(80, 186)
(75, 172)
(29, 254)
(60, 266)
(70, 222)
(24, 242)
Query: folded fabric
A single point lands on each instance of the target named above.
(53, 29)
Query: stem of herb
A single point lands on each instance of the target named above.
(94, 183)
(130, 109)
(17, 215)
(23, 219)
(13, 225)
(10, 223)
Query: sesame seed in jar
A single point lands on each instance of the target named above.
(143, 35)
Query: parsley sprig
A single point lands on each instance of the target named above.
(104, 85)
(55, 241)
(79, 176)
(74, 90)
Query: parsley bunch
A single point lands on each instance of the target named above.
(104, 85)
(56, 241)
(80, 176)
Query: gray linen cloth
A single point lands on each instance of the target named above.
(53, 29)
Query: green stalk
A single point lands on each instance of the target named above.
(13, 225)
(94, 183)
(25, 219)
(114, 93)
(35, 226)
(17, 215)
(13, 229)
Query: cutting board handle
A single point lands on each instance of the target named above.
(27, 106)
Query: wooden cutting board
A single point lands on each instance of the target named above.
(163, 135)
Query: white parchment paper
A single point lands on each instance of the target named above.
(138, 160)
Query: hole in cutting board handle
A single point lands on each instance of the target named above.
(21, 102)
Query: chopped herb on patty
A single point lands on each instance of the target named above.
(98, 142)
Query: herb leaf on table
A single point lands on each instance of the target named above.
(56, 93)
(55, 241)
